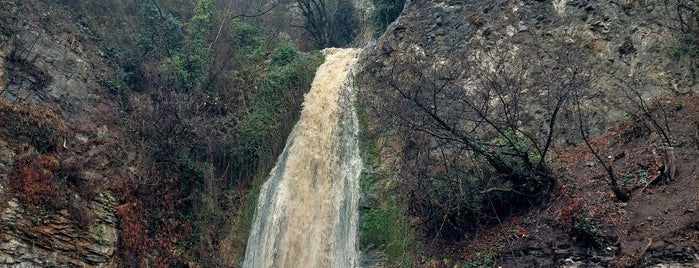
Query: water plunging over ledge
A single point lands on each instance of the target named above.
(307, 213)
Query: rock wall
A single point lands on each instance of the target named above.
(55, 241)
(45, 59)
(627, 46)
(634, 43)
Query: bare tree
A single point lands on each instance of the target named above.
(329, 22)
(486, 104)
(498, 112)
(581, 117)
(319, 16)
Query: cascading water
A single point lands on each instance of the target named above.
(307, 212)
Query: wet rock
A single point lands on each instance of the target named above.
(58, 241)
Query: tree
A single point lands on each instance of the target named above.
(482, 126)
(329, 22)
(386, 12)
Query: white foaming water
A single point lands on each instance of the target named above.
(307, 213)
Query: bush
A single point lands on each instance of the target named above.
(34, 180)
(275, 107)
(31, 124)
(685, 46)
(485, 258)
(587, 230)
(388, 230)
(456, 204)
(283, 55)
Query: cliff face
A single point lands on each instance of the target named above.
(639, 43)
(57, 241)
(48, 84)
(627, 54)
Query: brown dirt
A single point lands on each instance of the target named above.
(658, 225)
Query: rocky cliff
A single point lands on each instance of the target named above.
(641, 44)
(630, 56)
(56, 240)
(45, 65)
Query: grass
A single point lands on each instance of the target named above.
(486, 257)
(385, 227)
(388, 230)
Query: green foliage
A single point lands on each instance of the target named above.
(197, 50)
(251, 204)
(193, 174)
(385, 228)
(117, 86)
(369, 144)
(207, 111)
(247, 37)
(159, 30)
(388, 229)
(588, 230)
(283, 55)
(275, 104)
(485, 258)
(685, 46)
(386, 12)
(516, 148)
(461, 200)
(181, 47)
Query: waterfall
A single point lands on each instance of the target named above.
(307, 212)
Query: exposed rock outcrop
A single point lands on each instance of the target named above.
(40, 63)
(56, 241)
(628, 48)
(45, 60)
(637, 45)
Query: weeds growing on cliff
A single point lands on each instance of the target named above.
(31, 124)
(685, 46)
(588, 231)
(386, 227)
(484, 258)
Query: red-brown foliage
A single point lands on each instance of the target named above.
(131, 225)
(33, 179)
(150, 221)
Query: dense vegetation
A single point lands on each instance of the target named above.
(207, 92)
(207, 100)
(468, 145)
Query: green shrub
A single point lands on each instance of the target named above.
(275, 106)
(485, 258)
(246, 36)
(685, 46)
(587, 230)
(283, 55)
(388, 230)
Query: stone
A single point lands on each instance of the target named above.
(59, 241)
